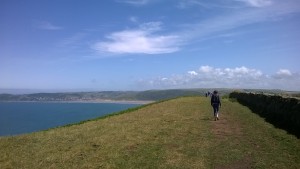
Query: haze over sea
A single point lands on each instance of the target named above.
(26, 117)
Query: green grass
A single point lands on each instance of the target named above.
(178, 133)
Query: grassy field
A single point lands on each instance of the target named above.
(178, 133)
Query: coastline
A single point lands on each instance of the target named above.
(89, 101)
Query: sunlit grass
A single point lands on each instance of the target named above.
(178, 133)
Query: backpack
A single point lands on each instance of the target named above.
(215, 99)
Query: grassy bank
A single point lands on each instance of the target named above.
(177, 133)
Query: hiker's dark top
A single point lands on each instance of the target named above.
(215, 100)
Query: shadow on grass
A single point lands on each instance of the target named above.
(291, 129)
(283, 113)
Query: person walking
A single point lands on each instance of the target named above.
(216, 104)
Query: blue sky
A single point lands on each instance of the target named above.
(149, 44)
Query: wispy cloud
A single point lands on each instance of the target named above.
(45, 25)
(73, 40)
(134, 2)
(133, 19)
(142, 40)
(239, 77)
(148, 40)
(257, 3)
(183, 4)
(267, 11)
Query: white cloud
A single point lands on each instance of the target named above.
(142, 40)
(193, 73)
(206, 69)
(147, 40)
(48, 26)
(239, 77)
(284, 72)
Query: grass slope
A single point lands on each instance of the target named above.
(178, 133)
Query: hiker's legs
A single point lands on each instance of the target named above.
(216, 110)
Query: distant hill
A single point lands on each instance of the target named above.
(153, 95)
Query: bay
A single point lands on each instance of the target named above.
(26, 117)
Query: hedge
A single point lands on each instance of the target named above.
(282, 112)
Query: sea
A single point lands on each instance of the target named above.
(25, 117)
